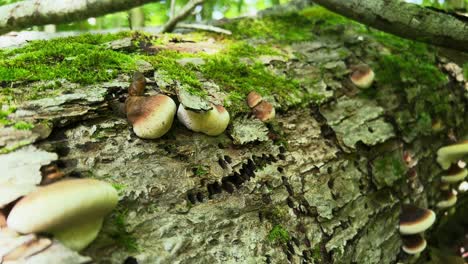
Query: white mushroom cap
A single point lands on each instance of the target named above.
(150, 116)
(449, 199)
(454, 174)
(212, 122)
(65, 204)
(362, 76)
(452, 153)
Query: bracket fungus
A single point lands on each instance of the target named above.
(413, 244)
(362, 76)
(448, 199)
(454, 174)
(452, 153)
(150, 116)
(212, 122)
(415, 220)
(71, 210)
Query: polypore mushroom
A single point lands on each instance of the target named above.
(264, 111)
(449, 199)
(362, 76)
(151, 116)
(452, 153)
(71, 210)
(413, 244)
(415, 220)
(454, 174)
(253, 99)
(212, 122)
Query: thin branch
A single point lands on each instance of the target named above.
(172, 10)
(30, 13)
(205, 28)
(406, 20)
(184, 12)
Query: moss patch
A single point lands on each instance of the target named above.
(278, 235)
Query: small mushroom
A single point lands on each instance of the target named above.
(415, 220)
(413, 244)
(452, 153)
(253, 99)
(454, 174)
(449, 199)
(362, 76)
(212, 122)
(264, 111)
(152, 116)
(138, 85)
(71, 210)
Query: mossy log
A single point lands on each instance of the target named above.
(322, 183)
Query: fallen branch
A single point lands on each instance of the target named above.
(184, 12)
(30, 13)
(406, 20)
(205, 28)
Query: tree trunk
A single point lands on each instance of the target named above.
(137, 18)
(322, 183)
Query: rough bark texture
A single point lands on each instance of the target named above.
(406, 20)
(30, 13)
(321, 184)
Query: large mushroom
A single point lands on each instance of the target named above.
(150, 116)
(451, 154)
(212, 122)
(71, 210)
(415, 220)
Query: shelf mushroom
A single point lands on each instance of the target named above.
(455, 173)
(150, 116)
(413, 244)
(362, 76)
(452, 153)
(415, 220)
(71, 210)
(448, 199)
(212, 122)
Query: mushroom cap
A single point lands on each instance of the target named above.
(253, 99)
(452, 153)
(415, 220)
(79, 235)
(152, 116)
(449, 199)
(212, 122)
(413, 244)
(264, 111)
(61, 204)
(362, 76)
(454, 174)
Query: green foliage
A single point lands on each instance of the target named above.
(121, 234)
(21, 125)
(278, 235)
(77, 59)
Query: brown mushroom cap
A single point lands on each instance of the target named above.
(137, 87)
(264, 111)
(362, 76)
(152, 116)
(253, 99)
(415, 220)
(413, 244)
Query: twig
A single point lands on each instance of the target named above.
(172, 10)
(184, 12)
(205, 28)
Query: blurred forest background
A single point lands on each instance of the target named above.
(157, 13)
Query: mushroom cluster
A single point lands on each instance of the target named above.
(262, 109)
(152, 116)
(455, 171)
(413, 222)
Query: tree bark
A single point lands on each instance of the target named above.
(30, 13)
(406, 20)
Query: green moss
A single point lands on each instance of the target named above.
(121, 235)
(78, 59)
(18, 145)
(200, 170)
(278, 235)
(21, 125)
(4, 114)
